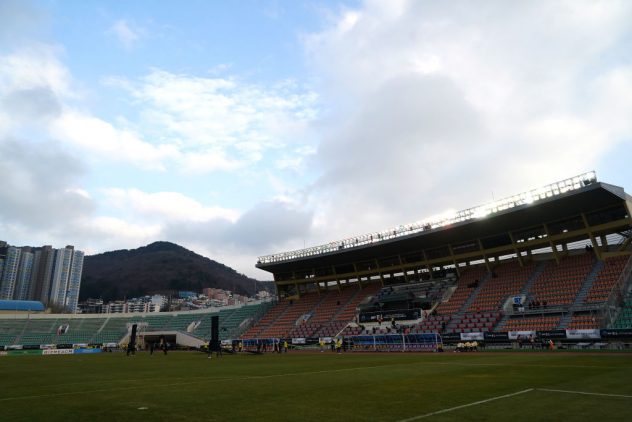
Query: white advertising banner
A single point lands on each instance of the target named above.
(513, 335)
(583, 334)
(300, 340)
(472, 336)
(57, 352)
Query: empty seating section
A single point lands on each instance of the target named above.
(314, 314)
(431, 324)
(111, 329)
(474, 322)
(286, 321)
(583, 321)
(624, 319)
(271, 316)
(463, 290)
(531, 323)
(507, 280)
(559, 283)
(606, 279)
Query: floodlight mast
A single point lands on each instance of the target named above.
(482, 211)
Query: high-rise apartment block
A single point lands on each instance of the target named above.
(52, 276)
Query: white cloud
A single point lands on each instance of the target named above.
(221, 123)
(103, 140)
(129, 35)
(436, 105)
(166, 206)
(35, 66)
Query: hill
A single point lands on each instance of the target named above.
(160, 267)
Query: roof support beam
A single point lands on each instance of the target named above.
(527, 246)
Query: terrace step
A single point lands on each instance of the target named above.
(587, 285)
(536, 273)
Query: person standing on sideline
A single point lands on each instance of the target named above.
(163, 345)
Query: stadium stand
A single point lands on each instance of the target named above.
(468, 283)
(528, 323)
(506, 281)
(559, 284)
(96, 329)
(606, 279)
(551, 259)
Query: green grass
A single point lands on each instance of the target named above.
(315, 387)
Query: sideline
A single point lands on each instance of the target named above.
(586, 393)
(450, 409)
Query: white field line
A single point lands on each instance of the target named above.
(586, 393)
(450, 409)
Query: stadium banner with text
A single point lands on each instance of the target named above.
(450, 337)
(616, 333)
(86, 351)
(513, 335)
(551, 334)
(472, 336)
(64, 346)
(496, 336)
(583, 334)
(30, 346)
(47, 346)
(299, 340)
(401, 314)
(24, 352)
(13, 347)
(57, 352)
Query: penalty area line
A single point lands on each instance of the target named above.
(476, 403)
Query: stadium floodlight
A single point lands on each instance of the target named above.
(442, 220)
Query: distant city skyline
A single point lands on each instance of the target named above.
(52, 276)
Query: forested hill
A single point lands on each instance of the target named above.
(161, 267)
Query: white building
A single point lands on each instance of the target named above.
(11, 263)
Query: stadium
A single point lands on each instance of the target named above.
(532, 290)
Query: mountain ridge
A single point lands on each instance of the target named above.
(157, 268)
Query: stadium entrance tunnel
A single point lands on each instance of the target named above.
(174, 338)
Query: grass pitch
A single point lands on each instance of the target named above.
(318, 387)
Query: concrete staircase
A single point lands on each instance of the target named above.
(473, 295)
(581, 295)
(536, 273)
(466, 304)
(587, 285)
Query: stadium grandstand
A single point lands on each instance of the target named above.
(185, 328)
(552, 263)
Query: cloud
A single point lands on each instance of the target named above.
(106, 141)
(19, 22)
(220, 123)
(166, 206)
(434, 106)
(129, 35)
(40, 189)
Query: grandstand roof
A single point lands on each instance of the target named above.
(21, 305)
(592, 197)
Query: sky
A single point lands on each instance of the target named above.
(241, 129)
